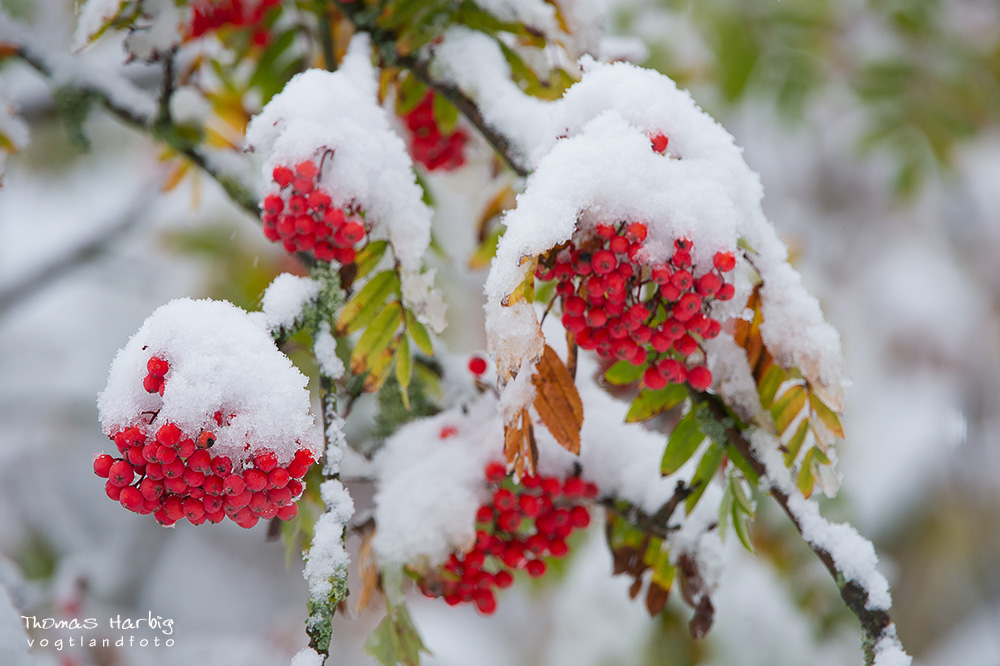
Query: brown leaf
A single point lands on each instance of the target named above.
(633, 590)
(519, 447)
(703, 617)
(370, 577)
(557, 401)
(656, 598)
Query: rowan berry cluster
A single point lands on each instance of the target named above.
(430, 146)
(210, 15)
(519, 526)
(174, 475)
(618, 304)
(301, 216)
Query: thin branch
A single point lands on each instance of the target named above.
(119, 96)
(72, 259)
(385, 40)
(875, 623)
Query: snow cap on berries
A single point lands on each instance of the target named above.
(223, 366)
(335, 120)
(600, 167)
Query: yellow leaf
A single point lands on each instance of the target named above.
(788, 406)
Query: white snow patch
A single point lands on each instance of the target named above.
(285, 298)
(220, 360)
(327, 559)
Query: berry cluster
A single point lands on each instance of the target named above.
(210, 15)
(173, 475)
(431, 147)
(649, 315)
(521, 525)
(302, 217)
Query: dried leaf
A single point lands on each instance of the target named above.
(557, 401)
(656, 598)
(369, 570)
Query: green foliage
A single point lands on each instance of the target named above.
(396, 640)
(74, 106)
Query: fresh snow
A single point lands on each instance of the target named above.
(334, 118)
(285, 298)
(327, 559)
(595, 165)
(220, 360)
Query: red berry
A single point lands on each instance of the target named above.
(579, 516)
(282, 176)
(618, 245)
(659, 142)
(131, 498)
(168, 435)
(603, 261)
(152, 384)
(485, 602)
(708, 284)
(222, 466)
(496, 472)
(726, 292)
(120, 474)
(306, 169)
(699, 377)
(273, 204)
(288, 512)
(536, 568)
(157, 367)
(477, 365)
(233, 485)
(255, 479)
(724, 261)
(102, 465)
(278, 477)
(686, 345)
(636, 232)
(681, 279)
(652, 379)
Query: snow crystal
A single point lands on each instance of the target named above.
(335, 119)
(220, 360)
(325, 351)
(593, 164)
(307, 657)
(284, 299)
(327, 559)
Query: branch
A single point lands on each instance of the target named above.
(876, 624)
(83, 253)
(386, 40)
(123, 100)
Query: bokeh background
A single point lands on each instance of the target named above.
(875, 127)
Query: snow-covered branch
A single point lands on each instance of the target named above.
(126, 102)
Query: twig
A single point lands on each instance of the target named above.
(120, 97)
(356, 13)
(78, 256)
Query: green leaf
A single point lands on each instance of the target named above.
(623, 373)
(788, 407)
(805, 480)
(404, 369)
(795, 443)
(376, 337)
(369, 257)
(703, 475)
(418, 333)
(395, 640)
(411, 92)
(445, 114)
(741, 464)
(725, 512)
(267, 76)
(651, 403)
(682, 444)
(361, 309)
(826, 415)
(740, 496)
(769, 384)
(741, 525)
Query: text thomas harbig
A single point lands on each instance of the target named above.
(164, 627)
